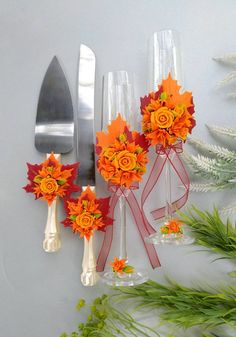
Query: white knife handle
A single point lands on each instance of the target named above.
(89, 276)
(52, 242)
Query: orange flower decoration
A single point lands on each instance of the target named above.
(51, 179)
(172, 227)
(167, 114)
(120, 266)
(122, 154)
(87, 214)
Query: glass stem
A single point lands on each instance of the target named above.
(168, 208)
(123, 249)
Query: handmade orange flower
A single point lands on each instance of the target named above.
(172, 227)
(167, 114)
(120, 266)
(87, 214)
(51, 179)
(122, 154)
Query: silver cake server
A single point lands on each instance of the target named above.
(54, 132)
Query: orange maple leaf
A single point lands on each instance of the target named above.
(115, 129)
(171, 87)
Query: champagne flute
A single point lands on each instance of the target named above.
(164, 58)
(119, 98)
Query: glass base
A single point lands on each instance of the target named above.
(171, 239)
(132, 279)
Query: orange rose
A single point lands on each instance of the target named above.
(161, 118)
(85, 220)
(48, 185)
(126, 161)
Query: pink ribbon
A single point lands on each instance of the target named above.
(171, 154)
(145, 229)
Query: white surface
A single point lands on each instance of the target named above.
(38, 291)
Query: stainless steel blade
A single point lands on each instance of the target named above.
(54, 128)
(85, 117)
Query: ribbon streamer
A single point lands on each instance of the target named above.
(171, 154)
(145, 229)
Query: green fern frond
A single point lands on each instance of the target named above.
(220, 152)
(210, 231)
(231, 132)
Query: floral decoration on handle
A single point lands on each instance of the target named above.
(122, 160)
(48, 181)
(87, 214)
(51, 179)
(167, 118)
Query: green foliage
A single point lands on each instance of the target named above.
(104, 319)
(183, 306)
(210, 231)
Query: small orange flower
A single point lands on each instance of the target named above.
(120, 266)
(172, 227)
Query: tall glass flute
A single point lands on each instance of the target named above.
(119, 97)
(164, 59)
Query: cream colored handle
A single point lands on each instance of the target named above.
(52, 242)
(89, 276)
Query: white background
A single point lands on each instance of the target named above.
(38, 291)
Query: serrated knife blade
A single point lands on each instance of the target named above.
(85, 117)
(85, 148)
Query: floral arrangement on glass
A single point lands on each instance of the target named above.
(85, 215)
(48, 181)
(122, 154)
(167, 120)
(122, 159)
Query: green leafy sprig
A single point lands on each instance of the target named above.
(105, 320)
(210, 231)
(183, 306)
